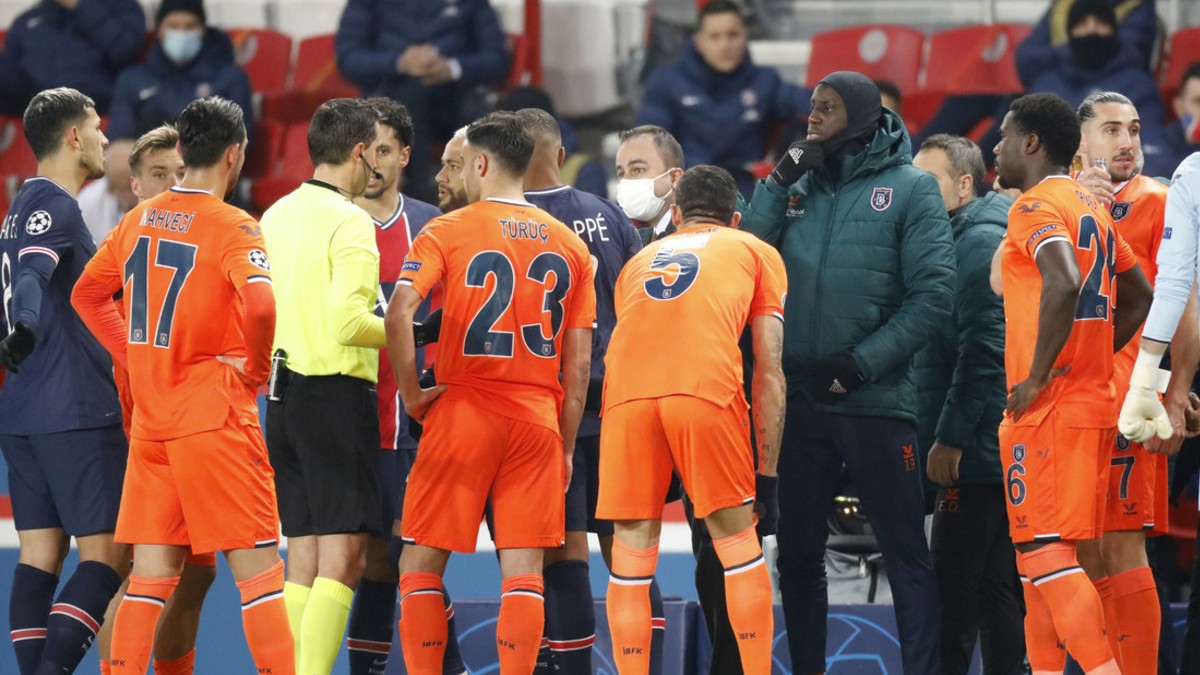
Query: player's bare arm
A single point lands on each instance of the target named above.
(1185, 355)
(996, 279)
(1061, 282)
(402, 352)
(1133, 304)
(576, 371)
(768, 391)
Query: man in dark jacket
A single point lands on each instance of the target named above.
(430, 55)
(1183, 135)
(719, 104)
(81, 44)
(188, 61)
(870, 261)
(960, 401)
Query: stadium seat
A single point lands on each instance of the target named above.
(975, 60)
(881, 52)
(16, 159)
(3, 34)
(229, 14)
(1184, 50)
(315, 80)
(264, 150)
(265, 55)
(920, 107)
(306, 18)
(288, 171)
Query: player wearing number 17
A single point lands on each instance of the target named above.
(200, 315)
(519, 306)
(1061, 263)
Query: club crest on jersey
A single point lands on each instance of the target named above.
(1120, 210)
(258, 258)
(1019, 453)
(39, 222)
(1122, 443)
(881, 198)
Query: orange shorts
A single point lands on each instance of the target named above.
(468, 454)
(212, 491)
(643, 441)
(1056, 477)
(1135, 500)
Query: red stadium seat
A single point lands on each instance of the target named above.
(315, 79)
(3, 34)
(1184, 50)
(975, 60)
(265, 150)
(920, 107)
(265, 55)
(881, 52)
(16, 158)
(290, 169)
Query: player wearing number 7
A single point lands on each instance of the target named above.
(519, 306)
(200, 314)
(1059, 262)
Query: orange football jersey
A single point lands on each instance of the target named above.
(1139, 210)
(181, 257)
(513, 278)
(702, 284)
(1059, 209)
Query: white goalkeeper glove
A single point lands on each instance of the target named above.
(1142, 414)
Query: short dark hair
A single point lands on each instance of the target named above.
(51, 113)
(207, 127)
(539, 124)
(336, 127)
(1053, 121)
(392, 114)
(707, 192)
(502, 135)
(1102, 10)
(718, 7)
(1087, 109)
(1192, 72)
(964, 156)
(159, 138)
(668, 148)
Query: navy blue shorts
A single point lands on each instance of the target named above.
(394, 466)
(69, 480)
(585, 486)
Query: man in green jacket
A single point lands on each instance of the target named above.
(870, 262)
(960, 401)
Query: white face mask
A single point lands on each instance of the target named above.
(637, 199)
(181, 46)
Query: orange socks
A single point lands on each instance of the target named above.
(423, 623)
(522, 618)
(183, 665)
(137, 618)
(265, 622)
(1073, 602)
(1139, 620)
(1108, 602)
(1046, 652)
(748, 596)
(628, 606)
(105, 667)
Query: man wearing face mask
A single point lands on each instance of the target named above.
(188, 61)
(870, 261)
(323, 431)
(649, 164)
(1093, 60)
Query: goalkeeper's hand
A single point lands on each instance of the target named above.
(1143, 416)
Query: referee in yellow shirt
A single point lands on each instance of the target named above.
(323, 434)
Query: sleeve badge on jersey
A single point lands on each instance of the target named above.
(1120, 209)
(39, 222)
(258, 258)
(881, 198)
(410, 266)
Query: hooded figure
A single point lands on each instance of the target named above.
(870, 260)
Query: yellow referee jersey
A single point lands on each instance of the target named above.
(325, 269)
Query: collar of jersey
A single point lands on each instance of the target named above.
(190, 191)
(547, 191)
(507, 201)
(383, 225)
(48, 180)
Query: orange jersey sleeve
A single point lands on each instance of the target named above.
(770, 293)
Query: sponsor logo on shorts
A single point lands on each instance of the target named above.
(1122, 443)
(1130, 508)
(1019, 452)
(1022, 522)
(1043, 453)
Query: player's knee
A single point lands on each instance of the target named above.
(728, 522)
(1124, 551)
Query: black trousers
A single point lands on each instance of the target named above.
(978, 586)
(710, 588)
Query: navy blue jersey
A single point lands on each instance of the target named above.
(67, 382)
(612, 240)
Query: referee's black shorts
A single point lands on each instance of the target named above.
(323, 439)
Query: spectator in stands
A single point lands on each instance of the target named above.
(189, 60)
(1094, 60)
(720, 106)
(889, 95)
(430, 55)
(580, 170)
(1183, 135)
(1136, 29)
(105, 200)
(81, 44)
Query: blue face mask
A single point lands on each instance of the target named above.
(181, 46)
